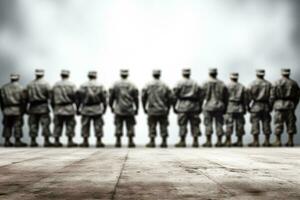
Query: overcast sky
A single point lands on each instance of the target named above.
(232, 35)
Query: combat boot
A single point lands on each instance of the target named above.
(255, 142)
(47, 142)
(33, 142)
(219, 142)
(164, 143)
(131, 143)
(267, 141)
(151, 144)
(85, 142)
(99, 143)
(277, 142)
(195, 142)
(239, 142)
(57, 143)
(208, 141)
(118, 142)
(181, 143)
(8, 143)
(228, 141)
(19, 143)
(71, 143)
(290, 142)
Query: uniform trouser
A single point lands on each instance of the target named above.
(163, 122)
(86, 124)
(129, 120)
(35, 120)
(285, 117)
(68, 121)
(264, 118)
(193, 119)
(209, 118)
(237, 121)
(12, 124)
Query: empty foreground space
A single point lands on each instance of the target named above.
(246, 173)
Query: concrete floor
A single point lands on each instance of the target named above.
(245, 173)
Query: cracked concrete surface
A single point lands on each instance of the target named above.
(236, 173)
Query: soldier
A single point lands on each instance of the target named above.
(13, 104)
(157, 100)
(236, 109)
(215, 106)
(63, 103)
(92, 105)
(188, 106)
(38, 94)
(124, 103)
(285, 95)
(260, 108)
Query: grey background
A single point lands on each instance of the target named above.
(233, 35)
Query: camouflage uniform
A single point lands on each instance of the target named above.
(215, 106)
(13, 108)
(285, 95)
(157, 99)
(38, 94)
(63, 100)
(236, 109)
(123, 98)
(260, 107)
(92, 105)
(188, 96)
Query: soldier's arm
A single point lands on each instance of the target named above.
(26, 99)
(136, 100)
(246, 99)
(104, 100)
(297, 96)
(176, 97)
(225, 98)
(111, 99)
(272, 96)
(1, 100)
(78, 100)
(201, 97)
(23, 101)
(144, 99)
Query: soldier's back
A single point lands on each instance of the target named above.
(215, 95)
(236, 97)
(11, 98)
(260, 90)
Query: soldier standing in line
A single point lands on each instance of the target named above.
(12, 101)
(238, 102)
(260, 108)
(63, 103)
(188, 106)
(124, 103)
(215, 106)
(38, 95)
(157, 100)
(285, 95)
(92, 103)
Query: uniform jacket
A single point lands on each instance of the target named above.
(238, 99)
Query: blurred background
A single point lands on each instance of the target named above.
(141, 35)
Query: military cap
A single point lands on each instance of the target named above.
(213, 71)
(260, 72)
(14, 76)
(124, 72)
(39, 72)
(234, 75)
(65, 72)
(285, 71)
(92, 74)
(186, 71)
(156, 72)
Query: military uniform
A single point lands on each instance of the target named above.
(236, 109)
(63, 101)
(13, 104)
(157, 100)
(188, 104)
(92, 105)
(260, 108)
(123, 99)
(38, 94)
(215, 106)
(285, 95)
